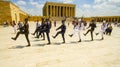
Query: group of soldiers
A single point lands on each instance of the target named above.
(45, 27)
(40, 30)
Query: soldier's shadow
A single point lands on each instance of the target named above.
(97, 39)
(17, 47)
(91, 41)
(60, 43)
(37, 40)
(86, 41)
(57, 43)
(74, 42)
(40, 44)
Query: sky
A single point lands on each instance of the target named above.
(87, 8)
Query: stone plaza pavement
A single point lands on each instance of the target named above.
(97, 53)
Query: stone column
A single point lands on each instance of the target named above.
(47, 10)
(74, 11)
(56, 11)
(59, 11)
(51, 11)
(63, 11)
(66, 12)
(69, 12)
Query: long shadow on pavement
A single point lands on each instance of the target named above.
(39, 44)
(37, 40)
(86, 41)
(17, 47)
(60, 43)
(57, 43)
(97, 39)
(91, 41)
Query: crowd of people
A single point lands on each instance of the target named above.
(45, 26)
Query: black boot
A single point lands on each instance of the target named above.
(102, 38)
(84, 34)
(13, 38)
(79, 40)
(37, 36)
(63, 42)
(48, 43)
(97, 33)
(43, 39)
(33, 33)
(28, 45)
(92, 40)
(53, 36)
(71, 35)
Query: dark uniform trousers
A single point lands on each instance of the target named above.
(24, 30)
(47, 33)
(93, 26)
(45, 29)
(26, 35)
(62, 33)
(91, 31)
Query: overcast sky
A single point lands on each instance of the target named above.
(83, 7)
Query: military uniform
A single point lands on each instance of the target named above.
(63, 29)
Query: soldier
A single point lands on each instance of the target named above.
(46, 29)
(63, 29)
(109, 30)
(102, 30)
(25, 31)
(42, 27)
(92, 26)
(37, 28)
(78, 26)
